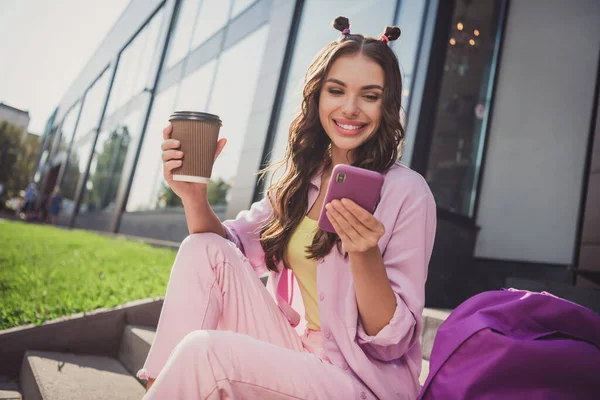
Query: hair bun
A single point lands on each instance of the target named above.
(392, 32)
(341, 23)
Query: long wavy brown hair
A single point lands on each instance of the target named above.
(308, 149)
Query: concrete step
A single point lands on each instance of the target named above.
(135, 345)
(63, 376)
(9, 389)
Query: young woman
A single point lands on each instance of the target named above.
(222, 334)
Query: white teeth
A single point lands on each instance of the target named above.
(348, 127)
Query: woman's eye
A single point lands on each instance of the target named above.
(371, 97)
(336, 91)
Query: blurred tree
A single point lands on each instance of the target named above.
(168, 198)
(18, 157)
(217, 192)
(109, 166)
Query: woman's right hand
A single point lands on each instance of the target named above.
(171, 157)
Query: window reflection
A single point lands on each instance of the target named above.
(232, 101)
(180, 39)
(112, 148)
(149, 190)
(410, 21)
(83, 139)
(135, 62)
(66, 133)
(148, 179)
(74, 170)
(212, 17)
(240, 6)
(93, 104)
(195, 88)
(459, 130)
(368, 17)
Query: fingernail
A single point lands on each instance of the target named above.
(327, 206)
(177, 142)
(180, 154)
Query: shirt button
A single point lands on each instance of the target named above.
(321, 260)
(363, 395)
(322, 297)
(328, 334)
(345, 367)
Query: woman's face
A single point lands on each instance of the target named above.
(350, 102)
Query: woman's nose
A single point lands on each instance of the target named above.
(350, 108)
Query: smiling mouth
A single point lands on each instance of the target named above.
(350, 127)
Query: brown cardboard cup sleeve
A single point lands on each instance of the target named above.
(198, 133)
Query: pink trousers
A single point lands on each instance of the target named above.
(221, 335)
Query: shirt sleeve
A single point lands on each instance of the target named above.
(406, 260)
(244, 232)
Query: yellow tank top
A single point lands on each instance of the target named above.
(305, 269)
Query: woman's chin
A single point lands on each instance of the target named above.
(347, 143)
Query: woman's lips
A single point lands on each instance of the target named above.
(349, 128)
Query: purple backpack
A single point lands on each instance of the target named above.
(515, 344)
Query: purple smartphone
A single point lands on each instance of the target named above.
(357, 184)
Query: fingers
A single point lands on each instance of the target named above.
(364, 216)
(169, 166)
(342, 226)
(349, 215)
(172, 155)
(170, 144)
(167, 132)
(220, 145)
(358, 229)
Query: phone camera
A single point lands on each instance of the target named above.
(340, 178)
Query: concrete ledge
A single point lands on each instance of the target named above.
(135, 347)
(97, 332)
(54, 376)
(424, 372)
(9, 390)
(432, 320)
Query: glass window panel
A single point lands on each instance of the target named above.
(194, 89)
(232, 101)
(135, 64)
(93, 104)
(410, 21)
(75, 168)
(459, 129)
(179, 44)
(148, 53)
(114, 146)
(213, 16)
(150, 192)
(366, 16)
(239, 6)
(66, 130)
(148, 179)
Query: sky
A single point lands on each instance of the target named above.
(44, 45)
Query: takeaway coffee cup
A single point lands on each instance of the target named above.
(198, 133)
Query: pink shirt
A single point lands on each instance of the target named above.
(389, 363)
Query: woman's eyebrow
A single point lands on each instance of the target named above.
(367, 87)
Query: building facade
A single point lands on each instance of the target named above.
(15, 116)
(500, 106)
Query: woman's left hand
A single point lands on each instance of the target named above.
(359, 230)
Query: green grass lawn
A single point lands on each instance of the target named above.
(48, 272)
